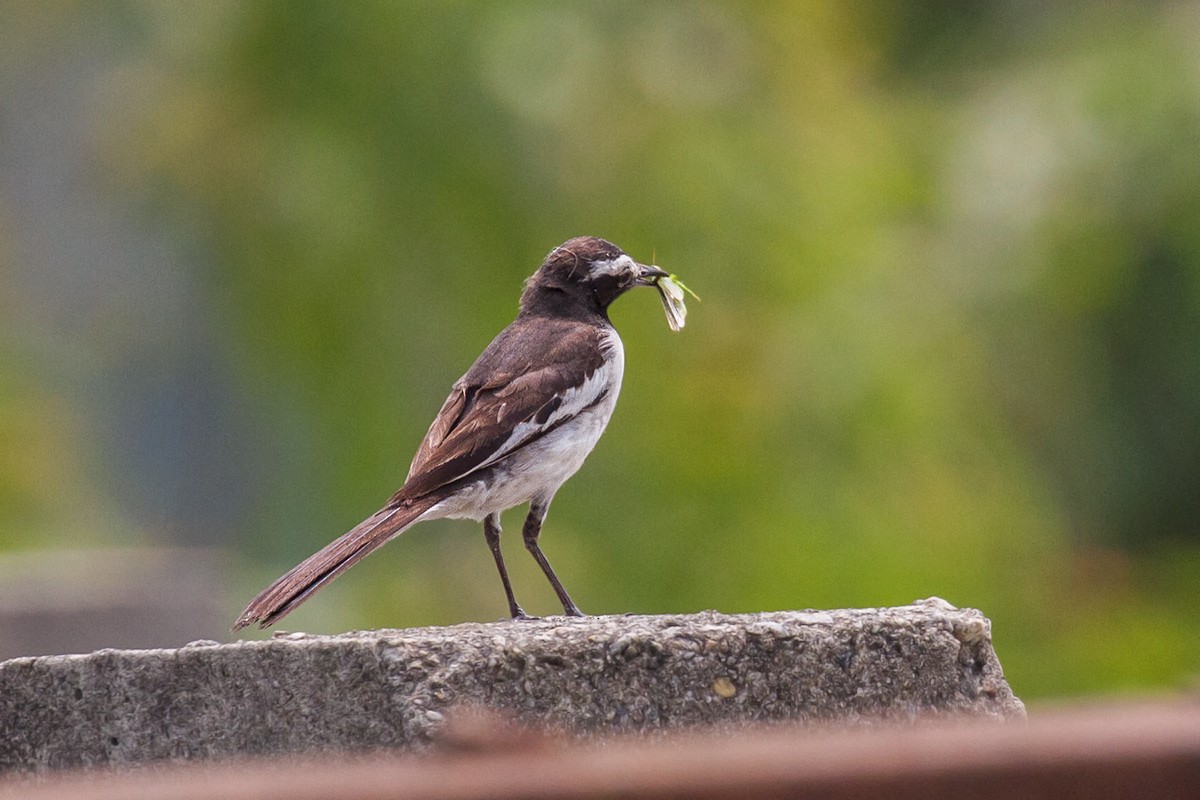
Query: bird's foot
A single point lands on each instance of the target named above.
(518, 614)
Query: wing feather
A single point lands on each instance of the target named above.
(502, 403)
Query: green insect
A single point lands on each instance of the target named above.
(670, 290)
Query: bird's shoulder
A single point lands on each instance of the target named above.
(536, 344)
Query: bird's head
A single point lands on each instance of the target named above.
(585, 271)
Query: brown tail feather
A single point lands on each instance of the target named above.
(293, 588)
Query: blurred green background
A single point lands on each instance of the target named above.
(949, 344)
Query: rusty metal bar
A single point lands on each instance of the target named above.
(1145, 751)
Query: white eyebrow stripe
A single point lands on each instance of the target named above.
(621, 265)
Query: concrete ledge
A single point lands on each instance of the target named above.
(390, 689)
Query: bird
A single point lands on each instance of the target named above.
(515, 427)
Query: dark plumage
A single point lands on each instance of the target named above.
(514, 428)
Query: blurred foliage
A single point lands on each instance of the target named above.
(949, 344)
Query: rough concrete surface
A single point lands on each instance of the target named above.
(584, 677)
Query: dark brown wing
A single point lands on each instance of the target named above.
(537, 374)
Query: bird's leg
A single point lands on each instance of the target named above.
(533, 529)
(491, 532)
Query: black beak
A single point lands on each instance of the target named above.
(648, 276)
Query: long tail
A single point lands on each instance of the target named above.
(292, 589)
